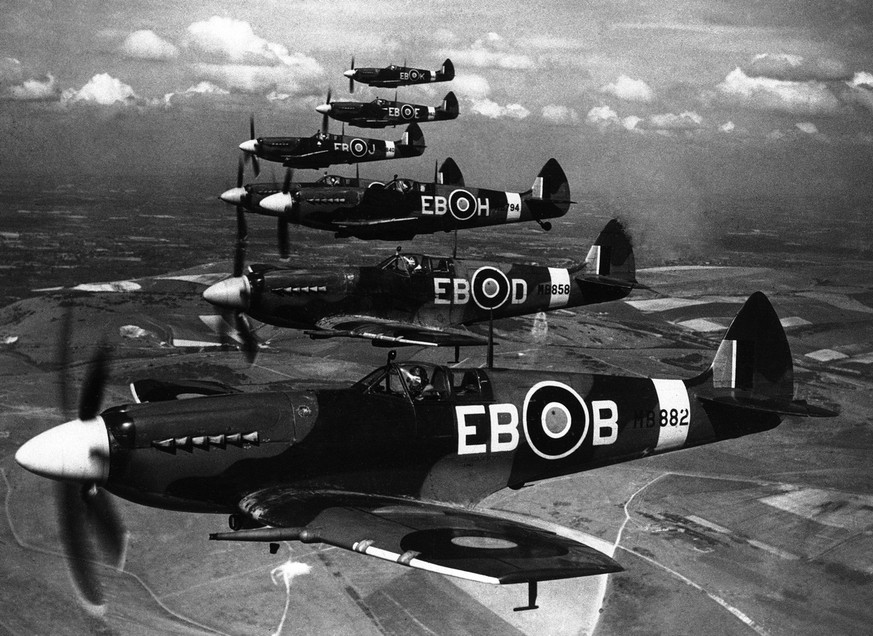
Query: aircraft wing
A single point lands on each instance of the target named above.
(393, 332)
(372, 222)
(428, 536)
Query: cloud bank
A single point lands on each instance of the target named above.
(629, 89)
(102, 89)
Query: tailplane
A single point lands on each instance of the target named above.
(752, 368)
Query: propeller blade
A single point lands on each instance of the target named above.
(325, 123)
(242, 233)
(95, 383)
(72, 523)
(352, 77)
(252, 127)
(63, 357)
(107, 524)
(256, 165)
(249, 342)
(240, 170)
(282, 231)
(286, 184)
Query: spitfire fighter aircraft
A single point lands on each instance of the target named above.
(383, 112)
(402, 208)
(393, 76)
(415, 299)
(326, 149)
(390, 466)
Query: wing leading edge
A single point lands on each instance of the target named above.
(391, 332)
(450, 541)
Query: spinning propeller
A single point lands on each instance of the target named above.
(250, 147)
(76, 455)
(351, 75)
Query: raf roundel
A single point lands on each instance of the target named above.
(407, 111)
(413, 75)
(555, 419)
(462, 205)
(490, 287)
(358, 147)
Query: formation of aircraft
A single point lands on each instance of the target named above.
(416, 299)
(381, 112)
(393, 76)
(390, 466)
(403, 208)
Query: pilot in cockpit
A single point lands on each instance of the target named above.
(419, 387)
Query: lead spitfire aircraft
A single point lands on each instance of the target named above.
(415, 299)
(393, 76)
(390, 466)
(383, 112)
(325, 149)
(403, 208)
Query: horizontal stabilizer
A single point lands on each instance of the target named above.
(799, 408)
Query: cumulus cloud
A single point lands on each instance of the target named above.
(727, 127)
(490, 51)
(557, 114)
(862, 79)
(102, 89)
(246, 78)
(808, 127)
(34, 89)
(471, 86)
(203, 89)
(493, 110)
(688, 120)
(629, 89)
(764, 93)
(147, 45)
(796, 68)
(601, 116)
(16, 86)
(228, 40)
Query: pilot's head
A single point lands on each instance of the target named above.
(417, 377)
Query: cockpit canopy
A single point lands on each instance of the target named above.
(406, 264)
(426, 381)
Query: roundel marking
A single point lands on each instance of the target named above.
(462, 205)
(555, 419)
(489, 287)
(413, 74)
(358, 147)
(407, 111)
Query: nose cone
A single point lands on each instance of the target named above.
(350, 73)
(250, 146)
(278, 203)
(324, 109)
(231, 293)
(233, 196)
(75, 451)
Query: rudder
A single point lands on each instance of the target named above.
(612, 255)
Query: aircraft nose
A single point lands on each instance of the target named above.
(231, 293)
(233, 196)
(350, 73)
(324, 109)
(278, 202)
(75, 451)
(250, 146)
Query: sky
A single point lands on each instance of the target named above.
(648, 98)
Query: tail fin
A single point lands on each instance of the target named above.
(446, 73)
(752, 368)
(611, 259)
(413, 136)
(450, 173)
(449, 106)
(551, 185)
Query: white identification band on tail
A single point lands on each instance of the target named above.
(513, 206)
(559, 280)
(673, 415)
